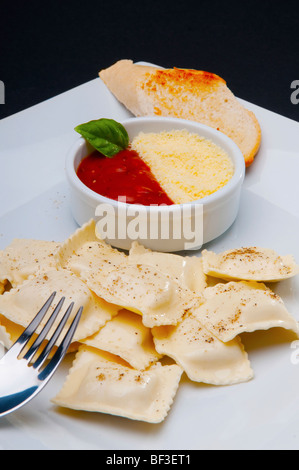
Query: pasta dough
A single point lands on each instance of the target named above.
(24, 258)
(187, 270)
(21, 304)
(249, 264)
(141, 311)
(127, 337)
(233, 308)
(103, 383)
(83, 253)
(203, 357)
(144, 290)
(113, 277)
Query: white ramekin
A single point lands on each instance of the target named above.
(211, 216)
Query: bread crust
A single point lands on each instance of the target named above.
(184, 93)
(249, 158)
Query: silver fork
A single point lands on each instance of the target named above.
(22, 378)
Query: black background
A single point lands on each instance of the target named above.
(47, 48)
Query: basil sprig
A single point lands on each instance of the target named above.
(106, 135)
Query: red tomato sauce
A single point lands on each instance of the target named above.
(123, 175)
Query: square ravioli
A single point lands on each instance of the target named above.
(249, 264)
(203, 357)
(101, 382)
(21, 304)
(24, 258)
(235, 307)
(83, 253)
(131, 285)
(187, 270)
(144, 290)
(127, 337)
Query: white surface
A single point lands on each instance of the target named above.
(216, 212)
(262, 414)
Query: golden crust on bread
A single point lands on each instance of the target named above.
(194, 81)
(184, 93)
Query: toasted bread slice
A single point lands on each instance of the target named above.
(183, 93)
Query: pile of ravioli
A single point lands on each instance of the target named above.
(148, 317)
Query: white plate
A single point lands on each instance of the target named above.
(261, 414)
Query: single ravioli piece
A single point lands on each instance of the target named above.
(203, 357)
(187, 270)
(235, 307)
(249, 263)
(101, 382)
(143, 290)
(83, 252)
(127, 337)
(24, 258)
(21, 304)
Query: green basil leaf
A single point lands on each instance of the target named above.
(106, 135)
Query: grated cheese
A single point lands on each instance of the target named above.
(187, 166)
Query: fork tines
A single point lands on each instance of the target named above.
(28, 333)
